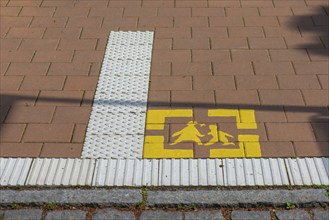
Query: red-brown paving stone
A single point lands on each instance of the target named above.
(210, 55)
(317, 114)
(281, 11)
(60, 98)
(312, 149)
(191, 22)
(37, 12)
(234, 97)
(48, 133)
(220, 32)
(156, 22)
(20, 149)
(67, 69)
(39, 44)
(16, 21)
(213, 82)
(162, 32)
(242, 12)
(305, 68)
(324, 81)
(63, 150)
(245, 32)
(126, 22)
(191, 3)
(282, 32)
(79, 133)
(163, 44)
(270, 114)
(318, 54)
(10, 82)
(250, 55)
(199, 12)
(3, 113)
(73, 44)
(12, 132)
(69, 115)
(159, 98)
(23, 114)
(53, 56)
(281, 97)
(27, 69)
(187, 69)
(24, 3)
(26, 98)
(290, 132)
(256, 82)
(194, 43)
(299, 82)
(273, 68)
(10, 44)
(270, 56)
(88, 97)
(303, 42)
(266, 43)
(79, 83)
(106, 12)
(171, 83)
(241, 68)
(321, 130)
(316, 97)
(16, 56)
(43, 83)
(277, 149)
(224, 3)
(161, 68)
(10, 11)
(192, 98)
(230, 43)
(63, 33)
(71, 12)
(25, 32)
(3, 68)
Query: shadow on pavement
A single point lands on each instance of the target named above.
(316, 26)
(320, 117)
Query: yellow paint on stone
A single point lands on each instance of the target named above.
(245, 119)
(155, 119)
(154, 148)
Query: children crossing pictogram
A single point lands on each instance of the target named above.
(193, 139)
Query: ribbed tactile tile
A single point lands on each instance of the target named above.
(14, 171)
(191, 172)
(255, 172)
(117, 122)
(308, 171)
(56, 172)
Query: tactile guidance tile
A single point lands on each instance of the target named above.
(164, 172)
(117, 122)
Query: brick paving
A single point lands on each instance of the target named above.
(271, 56)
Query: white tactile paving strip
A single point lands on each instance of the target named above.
(118, 119)
(164, 172)
(117, 122)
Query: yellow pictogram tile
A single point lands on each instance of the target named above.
(246, 145)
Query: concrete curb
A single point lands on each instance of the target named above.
(157, 198)
(239, 198)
